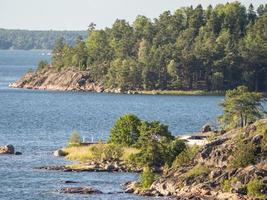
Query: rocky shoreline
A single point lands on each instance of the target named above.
(210, 184)
(95, 166)
(74, 80)
(67, 80)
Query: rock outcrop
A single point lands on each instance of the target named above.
(80, 190)
(206, 128)
(95, 166)
(209, 175)
(8, 149)
(66, 80)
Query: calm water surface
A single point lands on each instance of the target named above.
(39, 122)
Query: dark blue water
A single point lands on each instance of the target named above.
(39, 122)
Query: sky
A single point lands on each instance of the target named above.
(78, 14)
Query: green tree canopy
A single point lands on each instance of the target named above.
(241, 107)
(125, 130)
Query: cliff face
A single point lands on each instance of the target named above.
(67, 80)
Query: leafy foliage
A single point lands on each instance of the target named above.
(241, 107)
(112, 152)
(198, 170)
(125, 130)
(185, 156)
(174, 149)
(254, 189)
(147, 178)
(42, 65)
(191, 49)
(226, 184)
(243, 155)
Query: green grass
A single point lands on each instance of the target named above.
(254, 189)
(198, 170)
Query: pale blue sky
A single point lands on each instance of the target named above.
(77, 14)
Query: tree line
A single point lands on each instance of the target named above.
(216, 48)
(25, 39)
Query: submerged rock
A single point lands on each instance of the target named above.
(80, 190)
(69, 182)
(8, 149)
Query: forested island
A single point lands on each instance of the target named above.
(26, 39)
(210, 49)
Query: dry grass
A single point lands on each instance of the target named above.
(80, 153)
(127, 151)
(85, 153)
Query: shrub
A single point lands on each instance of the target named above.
(243, 155)
(185, 156)
(147, 178)
(151, 155)
(254, 188)
(112, 152)
(173, 150)
(97, 151)
(42, 64)
(153, 131)
(198, 170)
(75, 139)
(226, 184)
(125, 130)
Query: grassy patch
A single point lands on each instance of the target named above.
(80, 153)
(99, 151)
(226, 184)
(186, 156)
(198, 170)
(254, 189)
(128, 151)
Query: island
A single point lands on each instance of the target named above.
(191, 51)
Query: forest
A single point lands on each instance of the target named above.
(192, 48)
(25, 39)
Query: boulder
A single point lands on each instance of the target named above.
(206, 128)
(18, 153)
(257, 139)
(8, 149)
(59, 153)
(70, 182)
(80, 190)
(129, 187)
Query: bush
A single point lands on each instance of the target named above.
(75, 139)
(97, 151)
(112, 152)
(226, 184)
(42, 64)
(254, 188)
(125, 130)
(198, 170)
(150, 156)
(243, 155)
(147, 178)
(185, 156)
(173, 150)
